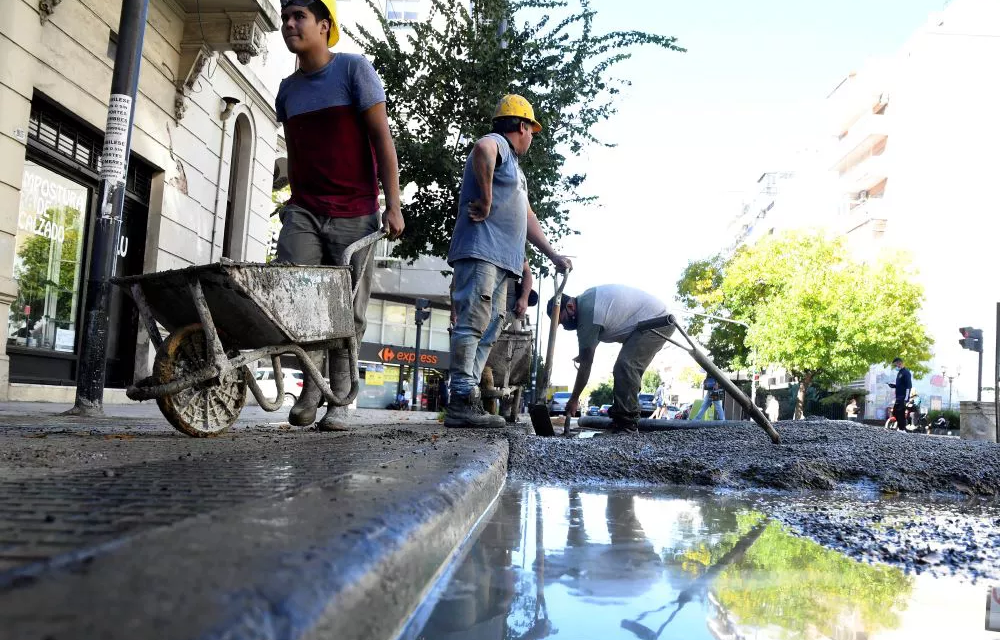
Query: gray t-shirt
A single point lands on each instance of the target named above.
(610, 313)
(500, 238)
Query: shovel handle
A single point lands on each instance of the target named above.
(553, 326)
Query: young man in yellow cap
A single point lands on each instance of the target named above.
(487, 248)
(339, 149)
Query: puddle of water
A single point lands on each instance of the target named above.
(645, 564)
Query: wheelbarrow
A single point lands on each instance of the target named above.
(224, 317)
(508, 367)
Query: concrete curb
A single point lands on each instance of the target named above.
(349, 557)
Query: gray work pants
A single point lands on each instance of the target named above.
(633, 360)
(308, 239)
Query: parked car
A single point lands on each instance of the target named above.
(646, 405)
(603, 411)
(684, 413)
(593, 410)
(672, 411)
(291, 383)
(557, 406)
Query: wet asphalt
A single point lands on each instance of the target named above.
(922, 503)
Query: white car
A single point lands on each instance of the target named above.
(291, 384)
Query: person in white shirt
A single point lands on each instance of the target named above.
(611, 313)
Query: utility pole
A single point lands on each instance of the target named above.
(422, 312)
(92, 362)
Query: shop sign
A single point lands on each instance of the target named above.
(406, 356)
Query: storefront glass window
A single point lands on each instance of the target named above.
(48, 256)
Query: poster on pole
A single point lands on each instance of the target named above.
(114, 155)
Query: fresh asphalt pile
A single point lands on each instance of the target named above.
(922, 503)
(814, 454)
(939, 537)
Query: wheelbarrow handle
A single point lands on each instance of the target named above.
(358, 245)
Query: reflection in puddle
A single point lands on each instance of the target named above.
(625, 563)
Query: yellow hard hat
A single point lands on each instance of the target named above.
(515, 105)
(334, 35)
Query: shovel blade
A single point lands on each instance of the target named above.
(540, 420)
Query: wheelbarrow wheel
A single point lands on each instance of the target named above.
(204, 409)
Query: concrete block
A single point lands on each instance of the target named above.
(978, 421)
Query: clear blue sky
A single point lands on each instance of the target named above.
(696, 129)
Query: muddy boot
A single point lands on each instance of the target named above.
(303, 412)
(467, 411)
(337, 418)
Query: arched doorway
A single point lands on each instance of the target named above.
(238, 195)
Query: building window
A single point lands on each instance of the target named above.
(440, 339)
(373, 317)
(394, 324)
(48, 257)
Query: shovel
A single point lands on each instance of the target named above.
(539, 412)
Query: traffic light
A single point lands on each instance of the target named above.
(423, 310)
(972, 339)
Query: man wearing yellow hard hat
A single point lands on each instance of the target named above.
(487, 249)
(339, 150)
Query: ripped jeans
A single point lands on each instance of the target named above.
(479, 298)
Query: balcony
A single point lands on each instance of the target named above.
(215, 26)
(860, 140)
(869, 214)
(865, 175)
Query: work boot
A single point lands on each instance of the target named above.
(624, 427)
(337, 418)
(467, 411)
(303, 412)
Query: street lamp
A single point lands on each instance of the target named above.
(944, 372)
(753, 352)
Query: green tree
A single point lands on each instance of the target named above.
(650, 381)
(691, 377)
(811, 587)
(814, 311)
(604, 393)
(443, 83)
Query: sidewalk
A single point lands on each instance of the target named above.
(121, 527)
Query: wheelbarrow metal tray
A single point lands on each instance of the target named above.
(255, 305)
(512, 354)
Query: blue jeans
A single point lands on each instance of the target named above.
(720, 413)
(479, 298)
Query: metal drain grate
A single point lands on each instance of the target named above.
(57, 519)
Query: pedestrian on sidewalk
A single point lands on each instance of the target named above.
(660, 400)
(714, 396)
(903, 385)
(852, 410)
(611, 313)
(494, 221)
(339, 150)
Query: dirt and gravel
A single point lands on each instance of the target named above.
(814, 454)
